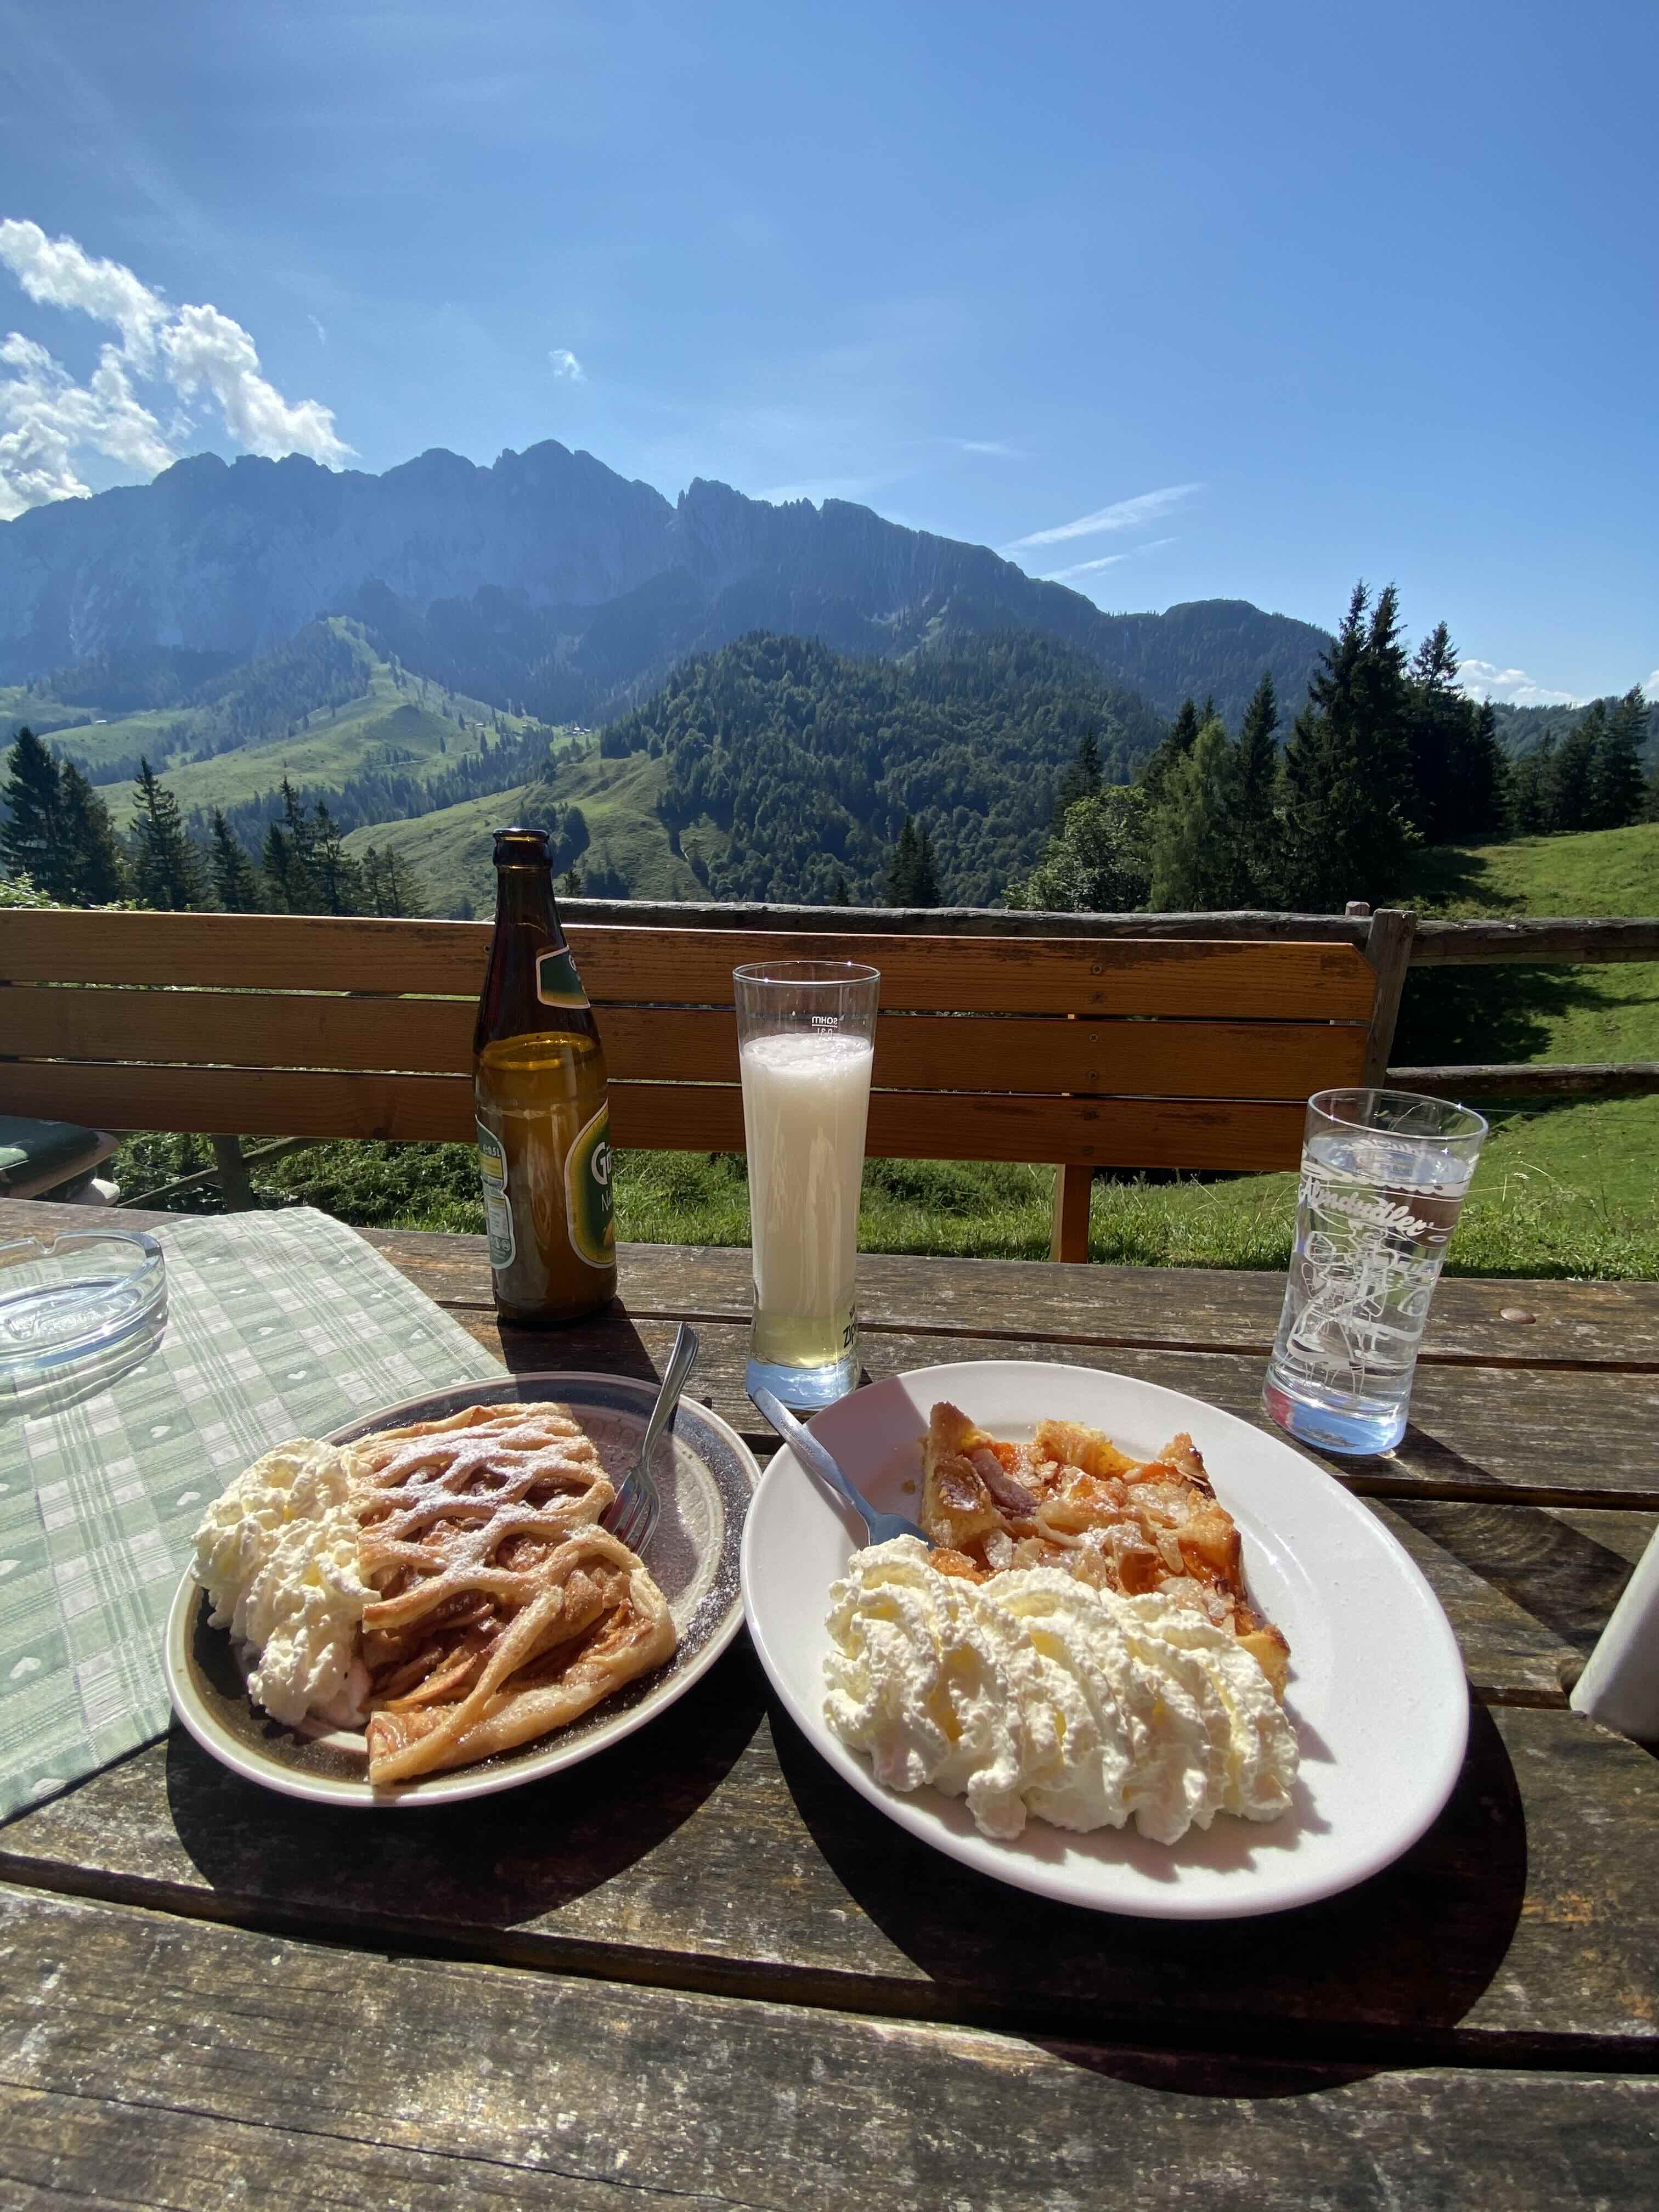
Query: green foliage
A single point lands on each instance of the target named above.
(31, 836)
(1193, 821)
(1348, 767)
(1456, 763)
(1097, 864)
(236, 887)
(166, 873)
(913, 872)
(807, 763)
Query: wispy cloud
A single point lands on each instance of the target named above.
(1513, 686)
(47, 419)
(1650, 689)
(566, 364)
(994, 448)
(322, 335)
(1105, 561)
(1123, 515)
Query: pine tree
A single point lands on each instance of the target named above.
(925, 892)
(290, 857)
(1531, 782)
(1181, 737)
(1255, 835)
(839, 893)
(339, 880)
(903, 866)
(235, 885)
(390, 887)
(93, 858)
(1347, 768)
(1616, 787)
(1081, 779)
(1568, 795)
(1194, 855)
(1478, 800)
(31, 834)
(166, 873)
(1435, 722)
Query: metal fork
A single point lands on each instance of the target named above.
(633, 1516)
(880, 1528)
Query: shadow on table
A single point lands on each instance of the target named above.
(1401, 1959)
(492, 1862)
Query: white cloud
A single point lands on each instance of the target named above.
(46, 418)
(993, 447)
(1509, 687)
(1122, 515)
(1106, 560)
(322, 335)
(1650, 689)
(566, 364)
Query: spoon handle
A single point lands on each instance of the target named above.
(807, 1449)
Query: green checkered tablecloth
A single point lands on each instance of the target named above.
(279, 1325)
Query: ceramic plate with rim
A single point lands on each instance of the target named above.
(1377, 1690)
(706, 1478)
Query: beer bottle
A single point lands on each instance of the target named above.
(540, 1089)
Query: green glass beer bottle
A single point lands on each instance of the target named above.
(540, 1089)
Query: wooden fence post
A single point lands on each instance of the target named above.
(1070, 1237)
(1389, 950)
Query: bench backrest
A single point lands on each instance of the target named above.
(1085, 1051)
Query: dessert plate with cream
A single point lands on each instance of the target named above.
(1342, 1774)
(221, 1690)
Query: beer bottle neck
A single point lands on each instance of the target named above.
(525, 901)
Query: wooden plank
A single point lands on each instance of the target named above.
(908, 1125)
(1530, 1912)
(1070, 1239)
(342, 2079)
(921, 1052)
(1389, 952)
(1230, 922)
(1473, 1321)
(1288, 980)
(1584, 937)
(1628, 1079)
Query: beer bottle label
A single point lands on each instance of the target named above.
(498, 1213)
(587, 1192)
(557, 983)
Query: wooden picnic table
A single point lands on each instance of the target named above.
(699, 1967)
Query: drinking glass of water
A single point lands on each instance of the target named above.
(807, 1032)
(1383, 1176)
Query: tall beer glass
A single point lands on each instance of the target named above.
(807, 1036)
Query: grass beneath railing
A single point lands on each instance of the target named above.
(1572, 1191)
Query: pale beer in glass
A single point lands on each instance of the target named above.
(806, 1037)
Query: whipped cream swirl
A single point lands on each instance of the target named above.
(1036, 1694)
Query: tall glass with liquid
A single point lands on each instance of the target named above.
(544, 1119)
(807, 1036)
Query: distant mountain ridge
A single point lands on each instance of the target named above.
(549, 580)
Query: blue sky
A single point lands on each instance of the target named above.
(1174, 303)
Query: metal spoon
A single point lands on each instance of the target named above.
(639, 1502)
(880, 1528)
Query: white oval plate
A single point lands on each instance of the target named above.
(706, 1482)
(1377, 1693)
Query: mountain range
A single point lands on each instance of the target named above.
(545, 582)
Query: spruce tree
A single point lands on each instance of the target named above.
(1477, 798)
(31, 834)
(339, 881)
(1348, 767)
(93, 858)
(901, 868)
(289, 858)
(1437, 714)
(1194, 855)
(926, 889)
(1081, 779)
(166, 873)
(1531, 784)
(1177, 742)
(236, 885)
(1255, 833)
(1569, 796)
(1617, 787)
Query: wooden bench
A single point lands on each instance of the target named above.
(1085, 1040)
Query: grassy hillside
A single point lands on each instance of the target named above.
(451, 849)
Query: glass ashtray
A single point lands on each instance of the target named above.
(84, 1305)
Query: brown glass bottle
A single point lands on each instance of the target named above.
(543, 1122)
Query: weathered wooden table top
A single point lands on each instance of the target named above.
(700, 1967)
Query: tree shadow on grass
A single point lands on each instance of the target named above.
(1485, 1015)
